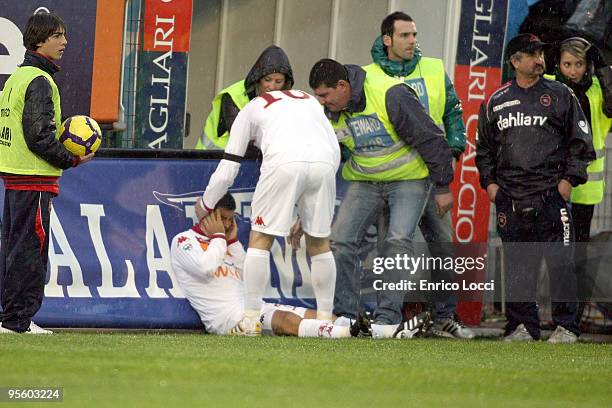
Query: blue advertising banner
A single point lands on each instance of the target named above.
(109, 255)
(74, 79)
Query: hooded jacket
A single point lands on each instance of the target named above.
(227, 104)
(272, 60)
(602, 71)
(598, 110)
(453, 114)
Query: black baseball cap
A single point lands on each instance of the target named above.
(523, 43)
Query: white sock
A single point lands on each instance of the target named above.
(256, 275)
(322, 328)
(383, 331)
(343, 321)
(323, 276)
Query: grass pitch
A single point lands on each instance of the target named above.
(185, 370)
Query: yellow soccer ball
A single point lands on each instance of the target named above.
(81, 135)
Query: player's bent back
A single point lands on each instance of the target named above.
(287, 126)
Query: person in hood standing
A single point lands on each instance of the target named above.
(271, 72)
(581, 66)
(396, 54)
(31, 162)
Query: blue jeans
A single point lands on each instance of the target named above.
(438, 233)
(361, 207)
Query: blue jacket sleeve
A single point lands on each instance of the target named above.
(417, 129)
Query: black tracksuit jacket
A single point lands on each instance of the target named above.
(531, 138)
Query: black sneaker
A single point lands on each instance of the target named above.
(362, 327)
(417, 326)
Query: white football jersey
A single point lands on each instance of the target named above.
(210, 274)
(287, 126)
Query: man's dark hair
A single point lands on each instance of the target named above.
(386, 27)
(39, 27)
(327, 72)
(227, 202)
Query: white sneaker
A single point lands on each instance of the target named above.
(4, 330)
(247, 327)
(33, 329)
(562, 335)
(519, 334)
(36, 329)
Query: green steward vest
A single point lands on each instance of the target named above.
(428, 80)
(377, 152)
(592, 192)
(209, 139)
(15, 156)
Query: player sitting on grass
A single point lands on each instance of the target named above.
(208, 262)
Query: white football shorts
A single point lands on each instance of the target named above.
(309, 186)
